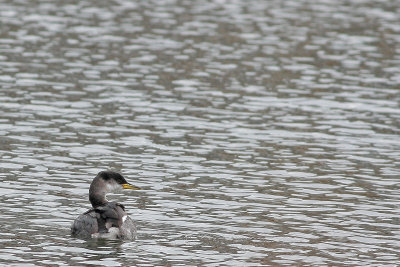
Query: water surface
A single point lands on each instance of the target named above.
(263, 132)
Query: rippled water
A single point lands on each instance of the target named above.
(263, 132)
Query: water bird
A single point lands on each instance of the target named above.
(106, 219)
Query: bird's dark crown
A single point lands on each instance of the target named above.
(110, 175)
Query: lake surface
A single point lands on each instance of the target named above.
(262, 132)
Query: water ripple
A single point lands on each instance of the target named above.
(262, 134)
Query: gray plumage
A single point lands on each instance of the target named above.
(105, 219)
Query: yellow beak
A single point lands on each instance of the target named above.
(129, 186)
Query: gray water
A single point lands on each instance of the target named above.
(262, 132)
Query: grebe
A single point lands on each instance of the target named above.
(106, 219)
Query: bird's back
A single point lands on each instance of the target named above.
(85, 225)
(106, 221)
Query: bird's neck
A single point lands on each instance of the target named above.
(97, 196)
